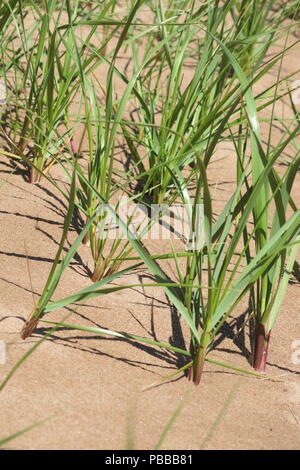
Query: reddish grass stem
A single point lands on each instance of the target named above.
(199, 364)
(261, 349)
(34, 176)
(28, 328)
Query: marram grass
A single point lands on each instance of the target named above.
(170, 125)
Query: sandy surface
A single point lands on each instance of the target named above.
(88, 384)
(93, 388)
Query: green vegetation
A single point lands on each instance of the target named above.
(150, 129)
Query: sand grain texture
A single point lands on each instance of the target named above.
(91, 386)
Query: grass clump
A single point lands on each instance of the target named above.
(151, 129)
